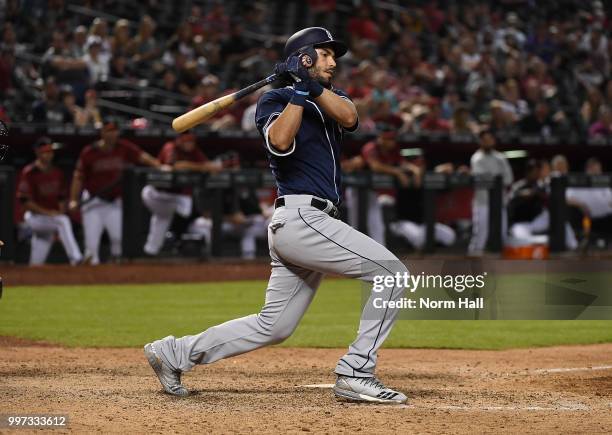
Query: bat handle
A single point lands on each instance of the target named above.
(252, 88)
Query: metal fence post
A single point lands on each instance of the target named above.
(557, 207)
(131, 248)
(496, 210)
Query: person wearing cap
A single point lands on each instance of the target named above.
(381, 155)
(42, 191)
(97, 61)
(487, 160)
(97, 183)
(181, 154)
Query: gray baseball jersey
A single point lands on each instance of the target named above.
(305, 244)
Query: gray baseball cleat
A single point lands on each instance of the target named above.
(366, 390)
(170, 379)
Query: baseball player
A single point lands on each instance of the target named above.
(244, 216)
(182, 154)
(302, 126)
(594, 202)
(42, 190)
(486, 161)
(97, 181)
(409, 212)
(529, 216)
(380, 155)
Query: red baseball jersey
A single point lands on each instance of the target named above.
(45, 188)
(372, 151)
(171, 153)
(100, 168)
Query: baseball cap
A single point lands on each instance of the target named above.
(110, 124)
(388, 124)
(186, 136)
(44, 144)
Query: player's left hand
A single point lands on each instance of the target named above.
(295, 68)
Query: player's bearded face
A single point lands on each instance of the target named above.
(324, 69)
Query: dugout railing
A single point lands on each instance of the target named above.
(213, 188)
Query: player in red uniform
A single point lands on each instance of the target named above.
(380, 155)
(181, 154)
(97, 181)
(42, 190)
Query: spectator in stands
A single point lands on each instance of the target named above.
(362, 26)
(216, 21)
(501, 122)
(590, 107)
(143, 47)
(433, 121)
(120, 41)
(74, 114)
(49, 108)
(462, 122)
(78, 42)
(512, 103)
(97, 183)
(603, 126)
(119, 67)
(42, 190)
(181, 154)
(97, 61)
(91, 112)
(486, 161)
(541, 122)
(58, 62)
(99, 31)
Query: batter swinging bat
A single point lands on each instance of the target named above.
(206, 111)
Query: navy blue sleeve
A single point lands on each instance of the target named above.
(344, 95)
(269, 107)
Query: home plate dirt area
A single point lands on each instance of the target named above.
(277, 390)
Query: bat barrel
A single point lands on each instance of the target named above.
(206, 111)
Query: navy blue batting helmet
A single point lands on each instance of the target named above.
(315, 36)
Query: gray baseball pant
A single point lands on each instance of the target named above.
(305, 244)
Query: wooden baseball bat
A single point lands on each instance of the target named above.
(206, 111)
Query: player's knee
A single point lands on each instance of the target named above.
(278, 335)
(393, 268)
(275, 329)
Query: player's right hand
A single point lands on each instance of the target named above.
(73, 205)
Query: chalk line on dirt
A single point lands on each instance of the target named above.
(316, 386)
(572, 369)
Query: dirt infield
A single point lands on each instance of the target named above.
(134, 273)
(551, 390)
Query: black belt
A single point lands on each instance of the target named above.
(315, 202)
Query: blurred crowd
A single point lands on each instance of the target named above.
(539, 68)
